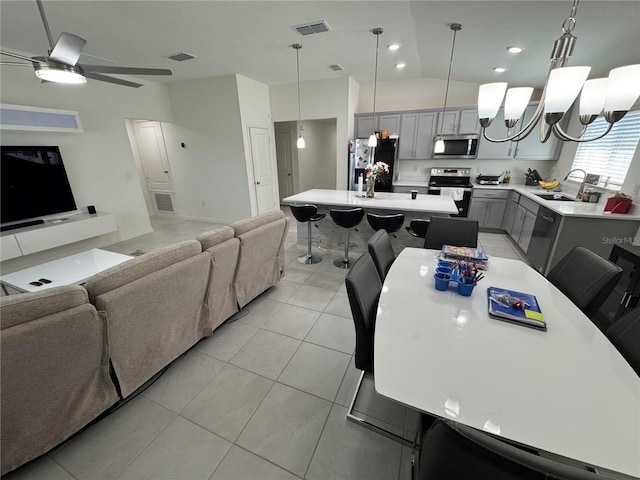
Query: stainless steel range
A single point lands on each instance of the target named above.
(455, 182)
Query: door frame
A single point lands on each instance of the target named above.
(251, 181)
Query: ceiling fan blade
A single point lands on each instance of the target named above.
(117, 81)
(21, 57)
(125, 70)
(68, 49)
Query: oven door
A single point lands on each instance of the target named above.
(462, 205)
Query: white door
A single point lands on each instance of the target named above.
(263, 177)
(285, 165)
(155, 162)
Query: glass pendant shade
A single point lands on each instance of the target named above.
(373, 141)
(592, 96)
(516, 102)
(563, 87)
(300, 143)
(60, 76)
(490, 97)
(439, 146)
(623, 88)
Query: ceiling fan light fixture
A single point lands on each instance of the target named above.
(59, 74)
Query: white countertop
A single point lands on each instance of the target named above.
(566, 390)
(382, 200)
(567, 209)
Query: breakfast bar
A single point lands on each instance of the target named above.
(328, 235)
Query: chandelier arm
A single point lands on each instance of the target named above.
(561, 134)
(524, 131)
(544, 132)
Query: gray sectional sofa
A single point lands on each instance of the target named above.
(139, 316)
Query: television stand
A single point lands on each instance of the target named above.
(28, 223)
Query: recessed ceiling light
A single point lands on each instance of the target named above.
(514, 49)
(393, 46)
(401, 65)
(499, 69)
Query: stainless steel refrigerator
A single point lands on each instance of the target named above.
(360, 155)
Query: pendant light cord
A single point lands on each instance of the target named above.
(298, 47)
(376, 32)
(455, 27)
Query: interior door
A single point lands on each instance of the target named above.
(153, 153)
(285, 164)
(263, 177)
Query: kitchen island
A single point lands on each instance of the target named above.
(331, 237)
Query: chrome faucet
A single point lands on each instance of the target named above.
(584, 179)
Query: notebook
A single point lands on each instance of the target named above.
(465, 253)
(505, 304)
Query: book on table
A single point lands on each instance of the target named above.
(465, 253)
(516, 307)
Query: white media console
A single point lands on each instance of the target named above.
(55, 233)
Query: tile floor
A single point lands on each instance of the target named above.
(265, 397)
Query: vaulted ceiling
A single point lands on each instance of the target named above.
(253, 38)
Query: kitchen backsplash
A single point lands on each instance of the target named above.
(418, 170)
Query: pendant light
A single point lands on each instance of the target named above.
(300, 143)
(373, 140)
(439, 146)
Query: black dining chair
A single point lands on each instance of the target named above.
(624, 334)
(451, 451)
(586, 278)
(418, 227)
(459, 232)
(380, 249)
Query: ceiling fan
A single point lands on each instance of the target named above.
(61, 65)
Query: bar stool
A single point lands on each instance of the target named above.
(418, 227)
(391, 223)
(307, 213)
(346, 219)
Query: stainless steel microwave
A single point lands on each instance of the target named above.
(458, 146)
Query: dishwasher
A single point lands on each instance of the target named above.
(544, 231)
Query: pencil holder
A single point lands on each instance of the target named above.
(465, 287)
(442, 281)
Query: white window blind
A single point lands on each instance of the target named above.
(610, 156)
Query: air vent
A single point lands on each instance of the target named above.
(181, 57)
(164, 202)
(314, 27)
(336, 68)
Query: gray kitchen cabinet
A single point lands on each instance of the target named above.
(518, 220)
(523, 222)
(416, 135)
(510, 212)
(458, 121)
(527, 230)
(488, 207)
(495, 151)
(365, 125)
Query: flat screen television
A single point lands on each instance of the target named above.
(34, 183)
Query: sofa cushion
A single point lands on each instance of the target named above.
(214, 237)
(139, 267)
(54, 371)
(248, 224)
(222, 297)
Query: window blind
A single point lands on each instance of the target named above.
(610, 156)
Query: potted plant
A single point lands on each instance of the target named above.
(372, 171)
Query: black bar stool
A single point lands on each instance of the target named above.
(307, 213)
(391, 223)
(418, 227)
(346, 219)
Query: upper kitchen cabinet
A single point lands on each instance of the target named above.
(365, 125)
(417, 131)
(529, 148)
(459, 121)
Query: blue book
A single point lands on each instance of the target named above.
(515, 307)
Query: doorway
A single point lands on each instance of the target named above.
(312, 167)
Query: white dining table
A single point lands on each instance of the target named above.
(566, 390)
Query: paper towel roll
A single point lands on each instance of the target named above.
(360, 184)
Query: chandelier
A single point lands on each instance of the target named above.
(615, 94)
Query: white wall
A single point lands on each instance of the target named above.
(209, 174)
(320, 100)
(99, 162)
(317, 161)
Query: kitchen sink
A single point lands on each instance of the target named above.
(555, 197)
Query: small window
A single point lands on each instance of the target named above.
(610, 156)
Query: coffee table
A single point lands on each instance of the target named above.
(74, 269)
